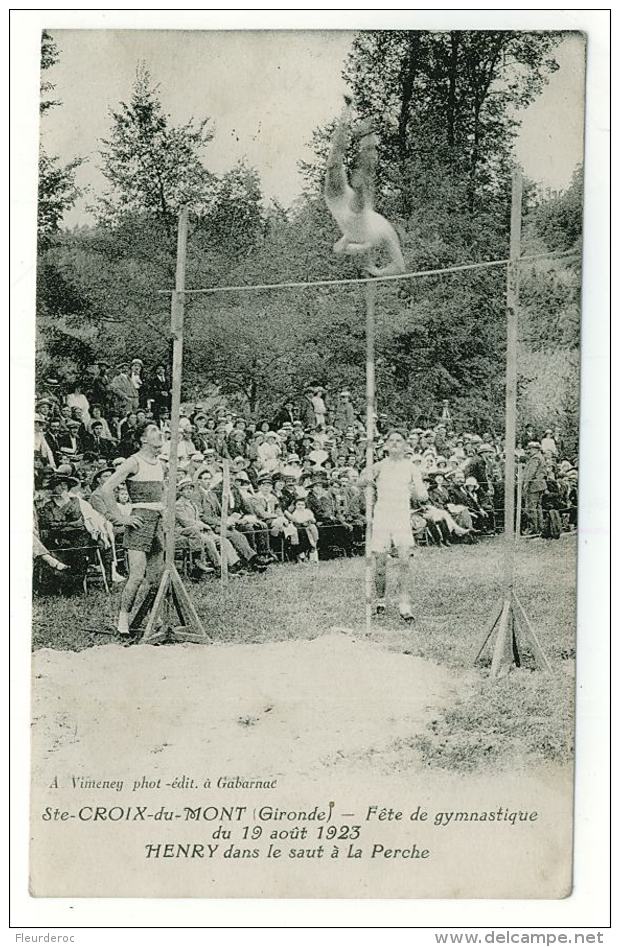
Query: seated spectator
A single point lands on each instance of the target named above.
(305, 521)
(269, 451)
(199, 536)
(72, 449)
(211, 513)
(77, 415)
(267, 505)
(56, 439)
(249, 520)
(96, 414)
(237, 439)
(333, 531)
(62, 526)
(43, 454)
(97, 444)
(291, 469)
(65, 416)
(479, 514)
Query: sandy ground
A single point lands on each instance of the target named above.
(280, 708)
(327, 718)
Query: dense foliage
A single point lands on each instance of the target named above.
(447, 106)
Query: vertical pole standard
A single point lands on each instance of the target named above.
(371, 292)
(512, 302)
(177, 312)
(519, 501)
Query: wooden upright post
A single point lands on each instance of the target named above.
(505, 648)
(171, 593)
(512, 302)
(371, 292)
(176, 318)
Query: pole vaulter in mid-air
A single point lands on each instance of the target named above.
(364, 232)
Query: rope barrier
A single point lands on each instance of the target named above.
(371, 279)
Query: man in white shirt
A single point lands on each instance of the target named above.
(397, 480)
(548, 445)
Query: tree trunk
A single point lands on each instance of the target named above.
(409, 74)
(452, 74)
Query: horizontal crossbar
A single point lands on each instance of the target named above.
(371, 279)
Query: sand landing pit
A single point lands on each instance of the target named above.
(273, 708)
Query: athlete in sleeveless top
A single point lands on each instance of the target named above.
(143, 475)
(396, 480)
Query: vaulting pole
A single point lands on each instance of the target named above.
(177, 313)
(370, 293)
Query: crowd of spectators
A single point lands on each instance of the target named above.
(295, 478)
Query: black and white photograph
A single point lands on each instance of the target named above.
(306, 473)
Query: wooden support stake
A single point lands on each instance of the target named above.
(502, 650)
(370, 293)
(528, 628)
(488, 630)
(150, 629)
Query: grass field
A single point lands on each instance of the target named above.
(527, 715)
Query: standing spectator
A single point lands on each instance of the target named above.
(551, 505)
(284, 414)
(320, 409)
(128, 444)
(99, 392)
(306, 408)
(77, 399)
(344, 413)
(441, 442)
(534, 485)
(158, 392)
(125, 395)
(548, 445)
(136, 370)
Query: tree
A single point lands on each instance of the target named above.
(153, 167)
(57, 190)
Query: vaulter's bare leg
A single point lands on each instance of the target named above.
(336, 178)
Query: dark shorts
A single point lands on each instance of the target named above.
(149, 537)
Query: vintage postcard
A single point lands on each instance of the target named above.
(306, 463)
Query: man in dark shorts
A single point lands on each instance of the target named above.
(143, 475)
